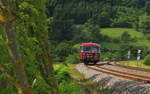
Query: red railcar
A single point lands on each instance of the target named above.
(90, 53)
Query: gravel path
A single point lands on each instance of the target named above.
(116, 84)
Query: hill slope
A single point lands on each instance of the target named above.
(117, 32)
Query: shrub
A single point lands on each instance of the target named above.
(144, 23)
(62, 73)
(73, 59)
(148, 37)
(120, 23)
(62, 50)
(125, 37)
(65, 83)
(67, 86)
(110, 56)
(147, 60)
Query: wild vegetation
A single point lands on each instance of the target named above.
(35, 34)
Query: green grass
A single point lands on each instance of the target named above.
(111, 45)
(117, 32)
(136, 64)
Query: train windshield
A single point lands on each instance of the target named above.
(93, 49)
(86, 49)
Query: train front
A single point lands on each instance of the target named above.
(90, 53)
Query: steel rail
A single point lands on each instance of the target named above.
(130, 76)
(130, 67)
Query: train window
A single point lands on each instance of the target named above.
(99, 50)
(95, 49)
(86, 48)
(81, 48)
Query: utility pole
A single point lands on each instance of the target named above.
(138, 55)
(129, 55)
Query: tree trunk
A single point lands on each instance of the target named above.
(9, 17)
(21, 78)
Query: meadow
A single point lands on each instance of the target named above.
(116, 33)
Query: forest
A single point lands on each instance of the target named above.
(40, 39)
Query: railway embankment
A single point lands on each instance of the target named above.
(117, 85)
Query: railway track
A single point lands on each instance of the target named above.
(129, 67)
(127, 75)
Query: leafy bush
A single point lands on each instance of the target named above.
(65, 83)
(41, 87)
(144, 23)
(125, 37)
(76, 48)
(62, 73)
(121, 22)
(147, 60)
(87, 33)
(110, 56)
(73, 59)
(68, 87)
(148, 37)
(62, 50)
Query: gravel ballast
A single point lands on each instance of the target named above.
(116, 84)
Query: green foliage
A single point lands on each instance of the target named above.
(126, 37)
(125, 17)
(73, 59)
(144, 23)
(147, 7)
(9, 89)
(121, 22)
(63, 50)
(62, 73)
(40, 86)
(108, 56)
(102, 19)
(117, 32)
(76, 48)
(66, 87)
(31, 24)
(65, 82)
(147, 60)
(74, 21)
(87, 33)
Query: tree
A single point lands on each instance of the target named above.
(26, 23)
(147, 60)
(125, 37)
(147, 7)
(9, 11)
(144, 23)
(37, 24)
(63, 50)
(102, 19)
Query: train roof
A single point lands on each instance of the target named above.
(90, 44)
